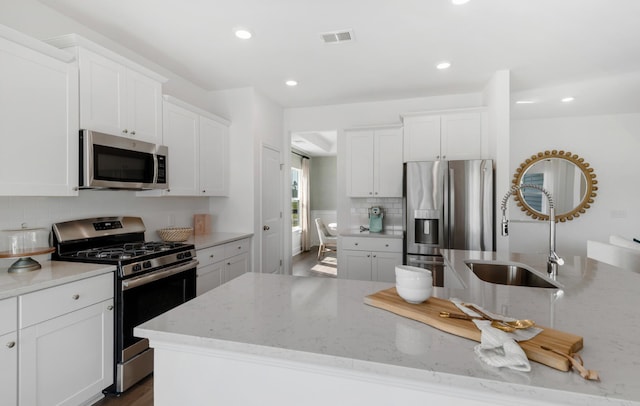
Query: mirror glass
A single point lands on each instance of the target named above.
(568, 178)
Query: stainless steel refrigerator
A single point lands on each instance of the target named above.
(449, 204)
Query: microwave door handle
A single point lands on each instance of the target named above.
(155, 168)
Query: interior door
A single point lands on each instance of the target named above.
(271, 198)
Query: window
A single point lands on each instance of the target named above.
(296, 174)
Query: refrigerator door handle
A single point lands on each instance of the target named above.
(452, 208)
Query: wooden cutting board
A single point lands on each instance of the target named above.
(429, 313)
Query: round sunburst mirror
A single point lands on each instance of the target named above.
(568, 177)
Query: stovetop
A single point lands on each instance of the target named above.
(118, 241)
(127, 251)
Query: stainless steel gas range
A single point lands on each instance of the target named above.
(151, 278)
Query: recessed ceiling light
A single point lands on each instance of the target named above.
(443, 65)
(525, 102)
(568, 99)
(459, 2)
(243, 33)
(291, 82)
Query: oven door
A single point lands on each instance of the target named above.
(142, 298)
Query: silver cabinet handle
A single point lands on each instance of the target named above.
(211, 256)
(368, 255)
(386, 245)
(110, 307)
(355, 244)
(266, 228)
(204, 191)
(75, 297)
(11, 344)
(125, 131)
(133, 133)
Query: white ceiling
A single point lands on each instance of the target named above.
(586, 48)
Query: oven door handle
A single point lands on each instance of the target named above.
(144, 279)
(427, 262)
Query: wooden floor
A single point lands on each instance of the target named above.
(307, 264)
(141, 394)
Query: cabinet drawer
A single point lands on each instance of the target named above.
(53, 302)
(208, 256)
(8, 315)
(372, 244)
(237, 247)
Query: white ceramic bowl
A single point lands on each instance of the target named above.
(413, 284)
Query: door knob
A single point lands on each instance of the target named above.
(265, 228)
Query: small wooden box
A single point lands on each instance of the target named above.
(201, 224)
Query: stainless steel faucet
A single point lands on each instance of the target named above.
(553, 261)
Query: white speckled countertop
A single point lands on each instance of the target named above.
(213, 239)
(52, 273)
(324, 321)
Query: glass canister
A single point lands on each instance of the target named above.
(23, 243)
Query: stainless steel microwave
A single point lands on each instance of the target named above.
(112, 162)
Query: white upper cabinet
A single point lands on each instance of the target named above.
(198, 151)
(374, 162)
(38, 118)
(448, 136)
(117, 96)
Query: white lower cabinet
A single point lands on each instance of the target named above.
(9, 351)
(369, 258)
(65, 343)
(221, 263)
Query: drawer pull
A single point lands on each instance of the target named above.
(211, 256)
(386, 245)
(75, 297)
(355, 244)
(11, 344)
(239, 247)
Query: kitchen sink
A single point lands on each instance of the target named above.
(510, 273)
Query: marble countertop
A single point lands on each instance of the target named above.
(213, 239)
(324, 321)
(52, 273)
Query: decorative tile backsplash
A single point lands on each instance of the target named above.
(391, 207)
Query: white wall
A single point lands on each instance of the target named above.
(610, 144)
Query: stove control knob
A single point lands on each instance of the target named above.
(137, 267)
(180, 255)
(187, 254)
(146, 264)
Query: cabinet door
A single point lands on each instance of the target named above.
(209, 277)
(360, 163)
(421, 138)
(102, 94)
(356, 265)
(214, 157)
(181, 136)
(461, 136)
(388, 163)
(67, 360)
(143, 107)
(9, 368)
(384, 265)
(38, 123)
(236, 266)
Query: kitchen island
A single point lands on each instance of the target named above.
(303, 340)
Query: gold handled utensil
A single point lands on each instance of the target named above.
(494, 324)
(517, 324)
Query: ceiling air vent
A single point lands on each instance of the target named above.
(337, 37)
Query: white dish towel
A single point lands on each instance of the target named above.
(498, 348)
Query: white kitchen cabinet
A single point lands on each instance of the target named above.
(9, 351)
(374, 162)
(369, 258)
(221, 263)
(198, 151)
(117, 95)
(451, 136)
(66, 343)
(38, 118)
